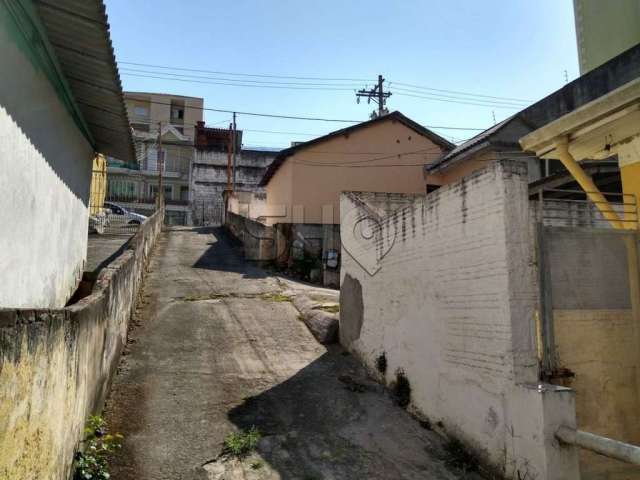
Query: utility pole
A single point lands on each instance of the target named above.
(229, 142)
(159, 161)
(234, 137)
(377, 94)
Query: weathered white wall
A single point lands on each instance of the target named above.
(445, 288)
(57, 364)
(45, 175)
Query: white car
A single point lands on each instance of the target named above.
(120, 215)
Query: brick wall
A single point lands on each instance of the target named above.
(445, 287)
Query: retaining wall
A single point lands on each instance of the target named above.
(56, 365)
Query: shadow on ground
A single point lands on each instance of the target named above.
(225, 254)
(329, 421)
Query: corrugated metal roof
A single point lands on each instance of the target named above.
(472, 142)
(78, 30)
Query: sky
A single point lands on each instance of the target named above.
(443, 60)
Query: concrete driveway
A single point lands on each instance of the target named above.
(214, 351)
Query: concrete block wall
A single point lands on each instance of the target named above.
(445, 288)
(209, 176)
(56, 365)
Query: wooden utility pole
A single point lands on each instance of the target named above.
(377, 94)
(159, 164)
(234, 137)
(229, 142)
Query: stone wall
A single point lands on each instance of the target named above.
(445, 288)
(56, 365)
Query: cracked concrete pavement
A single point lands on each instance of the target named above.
(211, 352)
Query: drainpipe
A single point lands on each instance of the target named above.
(585, 181)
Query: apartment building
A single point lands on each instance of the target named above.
(163, 131)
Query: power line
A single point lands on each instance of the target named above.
(318, 78)
(254, 114)
(442, 98)
(188, 80)
(489, 102)
(257, 75)
(459, 102)
(460, 93)
(236, 80)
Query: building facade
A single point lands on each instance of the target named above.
(605, 29)
(164, 129)
(213, 172)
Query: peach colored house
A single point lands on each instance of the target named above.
(386, 154)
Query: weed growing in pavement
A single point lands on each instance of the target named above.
(276, 297)
(92, 462)
(239, 444)
(206, 296)
(257, 465)
(458, 456)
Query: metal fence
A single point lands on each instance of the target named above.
(573, 208)
(207, 213)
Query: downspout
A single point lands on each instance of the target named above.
(593, 193)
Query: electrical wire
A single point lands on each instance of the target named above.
(489, 102)
(458, 102)
(314, 78)
(441, 98)
(459, 92)
(256, 75)
(188, 80)
(235, 80)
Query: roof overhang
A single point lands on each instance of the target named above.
(596, 130)
(78, 32)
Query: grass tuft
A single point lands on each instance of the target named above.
(239, 444)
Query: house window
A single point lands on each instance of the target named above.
(153, 189)
(184, 192)
(141, 111)
(177, 114)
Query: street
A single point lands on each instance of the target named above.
(216, 348)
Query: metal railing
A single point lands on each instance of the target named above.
(573, 208)
(608, 447)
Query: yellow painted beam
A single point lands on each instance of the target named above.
(586, 182)
(630, 175)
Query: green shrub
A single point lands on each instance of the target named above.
(239, 444)
(92, 462)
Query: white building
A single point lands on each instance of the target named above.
(60, 104)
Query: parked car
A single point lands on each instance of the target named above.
(119, 214)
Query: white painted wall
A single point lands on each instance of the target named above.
(45, 175)
(449, 295)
